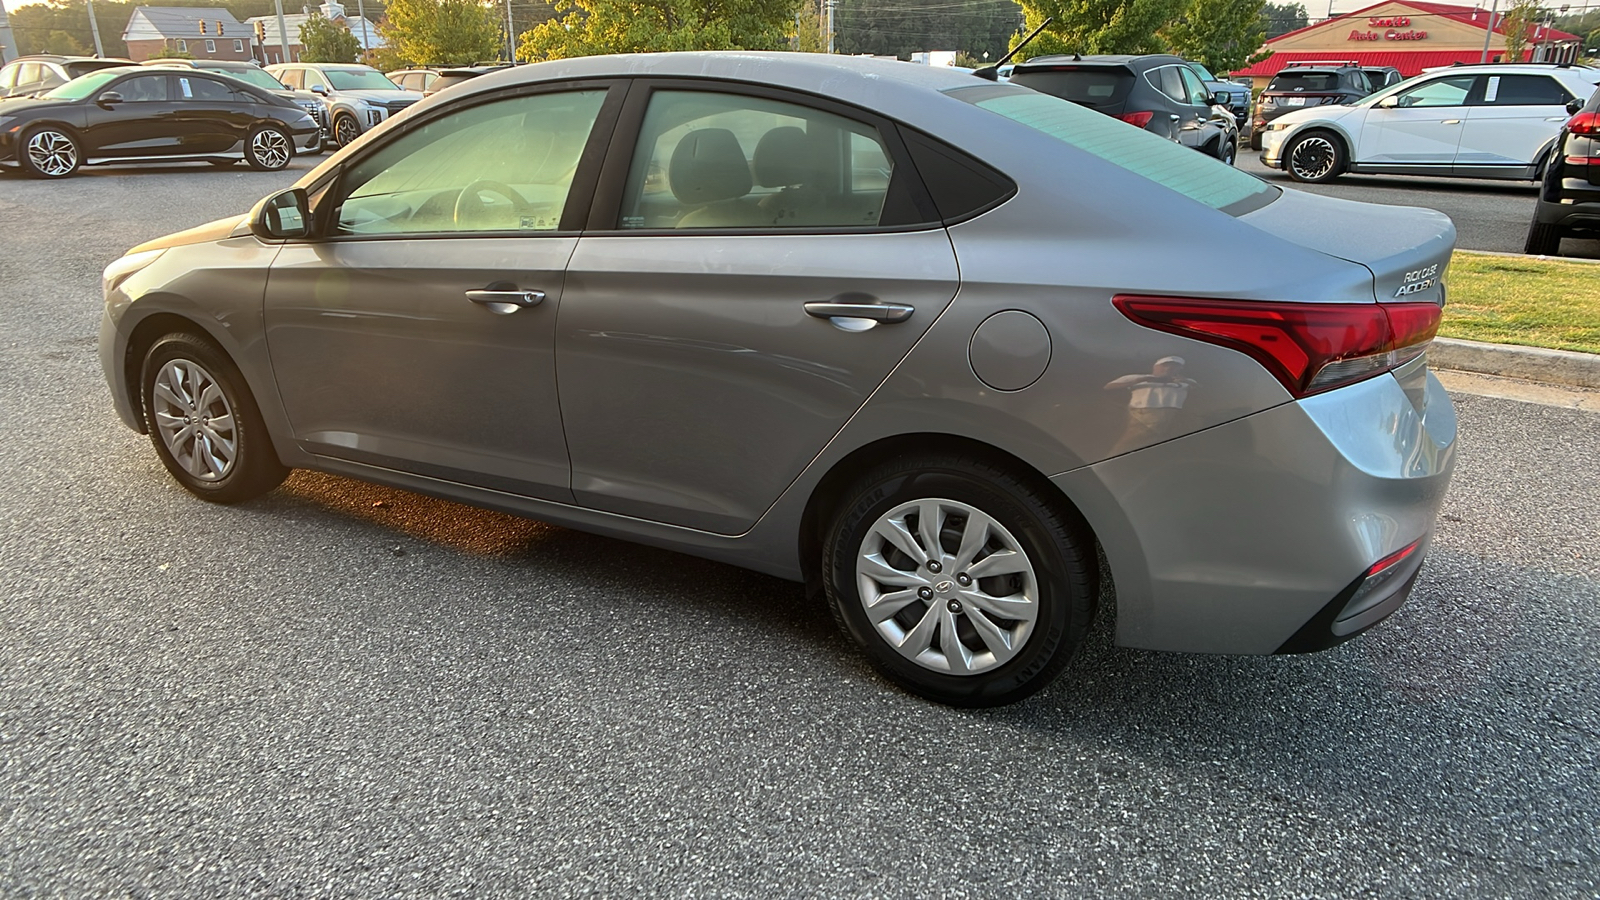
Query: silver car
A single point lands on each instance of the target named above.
(933, 345)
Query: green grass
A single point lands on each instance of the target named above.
(1533, 302)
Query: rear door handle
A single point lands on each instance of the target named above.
(888, 313)
(505, 299)
(1451, 122)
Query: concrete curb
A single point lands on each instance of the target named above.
(1560, 259)
(1527, 363)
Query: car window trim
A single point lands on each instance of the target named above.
(579, 193)
(606, 210)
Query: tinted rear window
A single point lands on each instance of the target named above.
(1195, 175)
(1092, 86)
(1305, 81)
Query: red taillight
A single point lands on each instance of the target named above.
(1138, 119)
(1309, 347)
(1393, 559)
(1584, 123)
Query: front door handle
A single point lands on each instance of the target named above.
(505, 299)
(888, 313)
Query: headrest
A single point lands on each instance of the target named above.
(708, 166)
(786, 156)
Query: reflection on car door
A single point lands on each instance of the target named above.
(418, 336)
(1516, 118)
(695, 383)
(139, 126)
(208, 116)
(1423, 129)
(1197, 128)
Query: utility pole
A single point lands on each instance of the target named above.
(1489, 32)
(511, 36)
(8, 46)
(283, 33)
(94, 29)
(361, 13)
(830, 24)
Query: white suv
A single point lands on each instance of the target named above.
(1488, 121)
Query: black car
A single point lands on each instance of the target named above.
(250, 73)
(1303, 84)
(27, 75)
(1380, 77)
(135, 114)
(1157, 92)
(1569, 196)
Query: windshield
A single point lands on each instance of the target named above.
(1167, 163)
(253, 76)
(79, 88)
(1201, 71)
(346, 80)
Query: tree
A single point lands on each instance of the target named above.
(1097, 26)
(635, 26)
(434, 32)
(810, 35)
(1282, 18)
(326, 41)
(1223, 34)
(64, 43)
(1518, 20)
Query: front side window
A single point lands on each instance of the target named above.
(314, 79)
(506, 165)
(708, 160)
(1442, 92)
(1198, 95)
(143, 89)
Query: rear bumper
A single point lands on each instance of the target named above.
(1570, 203)
(1251, 537)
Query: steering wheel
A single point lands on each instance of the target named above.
(471, 213)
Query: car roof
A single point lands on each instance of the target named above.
(1105, 59)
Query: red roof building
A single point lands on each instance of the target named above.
(1411, 36)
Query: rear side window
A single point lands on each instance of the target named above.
(1092, 86)
(1195, 175)
(1299, 82)
(1523, 90)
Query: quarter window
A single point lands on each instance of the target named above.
(506, 165)
(1443, 92)
(708, 160)
(1523, 90)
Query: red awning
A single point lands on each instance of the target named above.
(1408, 62)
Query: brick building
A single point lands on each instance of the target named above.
(205, 33)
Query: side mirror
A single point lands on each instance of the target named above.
(108, 99)
(1220, 98)
(1389, 102)
(281, 216)
(319, 90)
(1574, 107)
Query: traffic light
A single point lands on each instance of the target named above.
(261, 32)
(202, 26)
(219, 27)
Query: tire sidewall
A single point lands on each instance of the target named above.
(1055, 633)
(256, 468)
(250, 149)
(27, 164)
(1334, 171)
(345, 117)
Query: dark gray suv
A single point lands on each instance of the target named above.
(1159, 93)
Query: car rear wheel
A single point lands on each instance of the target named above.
(50, 153)
(961, 581)
(1227, 150)
(205, 425)
(1543, 239)
(268, 149)
(1314, 158)
(345, 129)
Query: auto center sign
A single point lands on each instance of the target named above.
(1395, 28)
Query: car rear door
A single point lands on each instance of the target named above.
(417, 332)
(1424, 127)
(756, 264)
(209, 116)
(1514, 118)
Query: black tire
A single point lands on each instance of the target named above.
(1255, 139)
(63, 159)
(1543, 239)
(254, 468)
(1227, 150)
(345, 129)
(1053, 536)
(1315, 157)
(268, 148)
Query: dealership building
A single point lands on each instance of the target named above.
(1411, 36)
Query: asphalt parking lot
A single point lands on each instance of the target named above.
(346, 690)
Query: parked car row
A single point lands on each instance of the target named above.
(1569, 194)
(1309, 84)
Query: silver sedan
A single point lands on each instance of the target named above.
(954, 352)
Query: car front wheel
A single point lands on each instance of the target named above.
(204, 423)
(268, 149)
(345, 129)
(1314, 158)
(50, 153)
(963, 582)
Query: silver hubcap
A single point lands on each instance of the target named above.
(346, 130)
(1312, 158)
(271, 149)
(947, 586)
(195, 421)
(52, 153)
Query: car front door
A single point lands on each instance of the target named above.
(1199, 126)
(417, 333)
(1422, 128)
(1516, 118)
(137, 126)
(752, 274)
